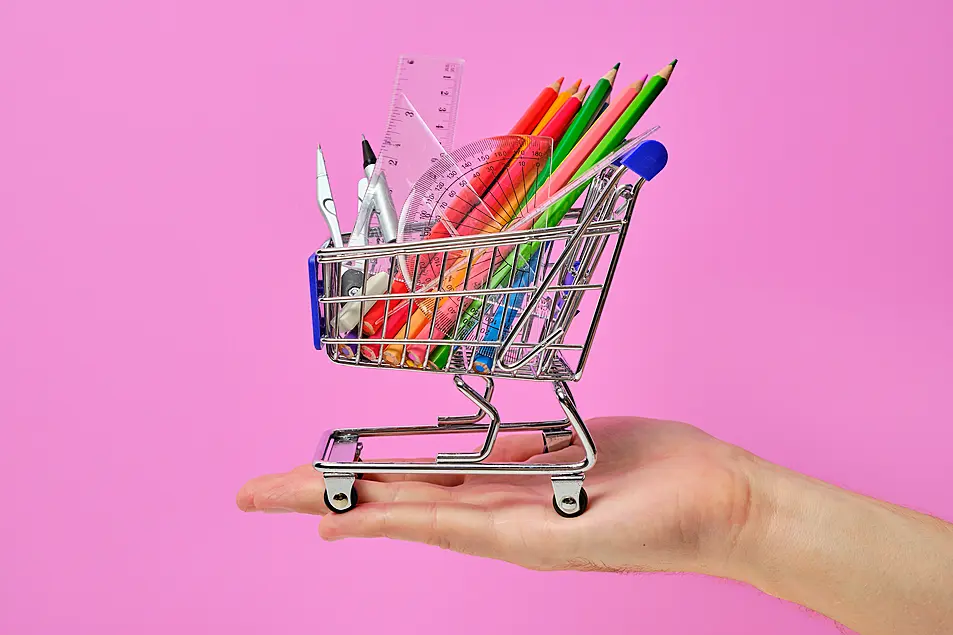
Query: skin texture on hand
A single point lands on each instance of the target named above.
(663, 496)
(878, 568)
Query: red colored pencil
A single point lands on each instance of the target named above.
(533, 115)
(563, 174)
(374, 318)
(558, 125)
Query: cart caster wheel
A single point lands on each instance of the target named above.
(569, 507)
(341, 503)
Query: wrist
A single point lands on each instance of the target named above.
(749, 544)
(742, 499)
(797, 529)
(774, 515)
(837, 553)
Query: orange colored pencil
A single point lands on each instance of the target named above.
(505, 195)
(563, 174)
(537, 109)
(374, 319)
(561, 99)
(411, 330)
(559, 123)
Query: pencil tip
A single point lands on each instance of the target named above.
(674, 62)
(363, 138)
(617, 65)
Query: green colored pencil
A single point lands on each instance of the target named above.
(583, 119)
(613, 139)
(617, 133)
(587, 114)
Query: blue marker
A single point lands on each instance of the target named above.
(511, 308)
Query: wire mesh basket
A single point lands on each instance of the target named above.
(537, 323)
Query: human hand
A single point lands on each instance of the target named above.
(663, 496)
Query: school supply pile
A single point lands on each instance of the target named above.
(481, 260)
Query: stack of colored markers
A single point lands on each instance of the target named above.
(585, 126)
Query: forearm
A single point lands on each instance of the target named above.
(874, 567)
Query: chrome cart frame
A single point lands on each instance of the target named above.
(534, 340)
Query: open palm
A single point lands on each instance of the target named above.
(663, 496)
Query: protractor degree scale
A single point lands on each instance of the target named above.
(478, 188)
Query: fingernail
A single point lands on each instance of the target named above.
(276, 510)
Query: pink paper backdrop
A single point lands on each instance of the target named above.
(787, 287)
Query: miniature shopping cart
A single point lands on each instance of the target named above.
(555, 311)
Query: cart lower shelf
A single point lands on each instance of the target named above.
(339, 460)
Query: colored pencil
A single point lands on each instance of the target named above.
(537, 109)
(374, 319)
(565, 143)
(472, 276)
(445, 319)
(554, 130)
(499, 327)
(548, 100)
(569, 164)
(593, 137)
(587, 115)
(511, 190)
(609, 141)
(608, 132)
(505, 196)
(561, 99)
(411, 330)
(561, 121)
(504, 200)
(577, 129)
(395, 322)
(616, 135)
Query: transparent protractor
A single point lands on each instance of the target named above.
(478, 188)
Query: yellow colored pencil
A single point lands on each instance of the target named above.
(561, 99)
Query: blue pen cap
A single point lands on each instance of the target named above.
(646, 159)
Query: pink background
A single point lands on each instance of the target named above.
(787, 288)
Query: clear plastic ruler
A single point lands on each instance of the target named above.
(432, 85)
(420, 127)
